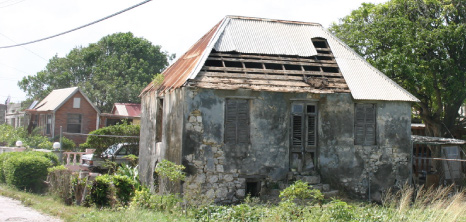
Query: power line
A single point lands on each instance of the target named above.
(80, 27)
(14, 3)
(24, 47)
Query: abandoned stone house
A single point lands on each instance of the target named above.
(257, 103)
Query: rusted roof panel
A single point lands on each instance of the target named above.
(278, 37)
(177, 74)
(127, 109)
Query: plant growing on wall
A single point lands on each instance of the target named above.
(168, 170)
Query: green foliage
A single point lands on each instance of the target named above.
(27, 172)
(143, 199)
(124, 188)
(170, 170)
(67, 144)
(3, 158)
(300, 190)
(60, 183)
(420, 45)
(115, 69)
(133, 160)
(132, 173)
(169, 173)
(102, 143)
(9, 136)
(101, 188)
(158, 80)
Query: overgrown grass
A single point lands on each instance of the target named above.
(441, 204)
(54, 207)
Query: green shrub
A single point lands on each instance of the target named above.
(60, 183)
(101, 191)
(27, 172)
(132, 173)
(9, 135)
(300, 190)
(3, 158)
(124, 188)
(145, 200)
(67, 144)
(49, 155)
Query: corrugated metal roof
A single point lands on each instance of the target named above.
(278, 37)
(127, 109)
(55, 99)
(58, 97)
(266, 37)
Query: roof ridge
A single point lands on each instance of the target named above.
(272, 20)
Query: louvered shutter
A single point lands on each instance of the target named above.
(237, 121)
(230, 121)
(311, 130)
(370, 125)
(297, 130)
(242, 127)
(364, 124)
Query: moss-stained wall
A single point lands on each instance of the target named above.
(194, 135)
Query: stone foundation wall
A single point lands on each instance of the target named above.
(211, 179)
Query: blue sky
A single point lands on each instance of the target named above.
(175, 25)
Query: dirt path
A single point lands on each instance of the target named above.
(12, 210)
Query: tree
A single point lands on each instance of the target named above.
(421, 45)
(115, 69)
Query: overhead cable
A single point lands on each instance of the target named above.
(80, 27)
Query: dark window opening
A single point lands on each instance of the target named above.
(319, 43)
(273, 66)
(323, 52)
(253, 65)
(331, 69)
(74, 123)
(253, 188)
(293, 67)
(324, 58)
(214, 63)
(233, 64)
(49, 125)
(312, 68)
(159, 121)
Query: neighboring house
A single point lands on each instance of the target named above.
(14, 115)
(68, 108)
(2, 113)
(257, 103)
(129, 112)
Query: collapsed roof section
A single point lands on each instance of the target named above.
(281, 56)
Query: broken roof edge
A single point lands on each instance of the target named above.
(272, 20)
(151, 87)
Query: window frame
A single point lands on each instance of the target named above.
(365, 122)
(76, 103)
(305, 116)
(237, 122)
(68, 122)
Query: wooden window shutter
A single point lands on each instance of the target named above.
(237, 121)
(311, 130)
(297, 130)
(364, 124)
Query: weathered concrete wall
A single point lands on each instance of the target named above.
(220, 171)
(193, 134)
(147, 143)
(354, 167)
(152, 151)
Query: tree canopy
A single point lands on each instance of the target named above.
(115, 69)
(421, 45)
